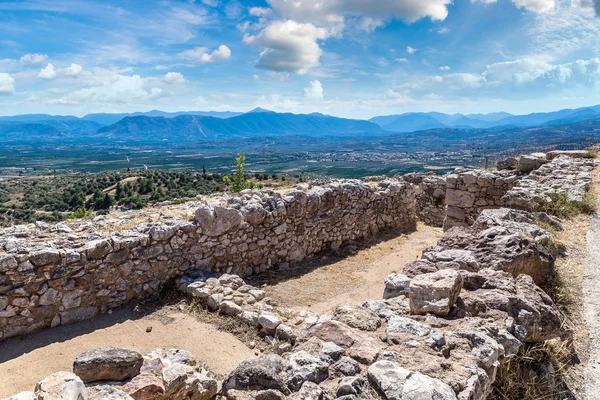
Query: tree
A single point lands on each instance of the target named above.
(107, 202)
(238, 182)
(119, 191)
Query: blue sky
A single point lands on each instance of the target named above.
(351, 58)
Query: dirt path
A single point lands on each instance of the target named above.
(24, 362)
(591, 298)
(323, 283)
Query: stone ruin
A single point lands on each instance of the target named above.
(444, 324)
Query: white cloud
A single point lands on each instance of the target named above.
(33, 58)
(538, 6)
(48, 72)
(108, 87)
(401, 60)
(444, 68)
(332, 12)
(200, 55)
(288, 46)
(314, 91)
(174, 78)
(256, 77)
(73, 70)
(571, 29)
(530, 77)
(7, 83)
(410, 50)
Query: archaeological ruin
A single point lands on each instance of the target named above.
(441, 329)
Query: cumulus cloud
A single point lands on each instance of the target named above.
(73, 70)
(322, 12)
(33, 58)
(410, 50)
(314, 91)
(48, 72)
(201, 55)
(174, 78)
(288, 46)
(113, 87)
(444, 68)
(538, 6)
(527, 76)
(7, 83)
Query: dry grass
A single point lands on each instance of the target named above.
(534, 374)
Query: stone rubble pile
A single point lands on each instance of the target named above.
(563, 175)
(527, 186)
(120, 374)
(57, 275)
(443, 328)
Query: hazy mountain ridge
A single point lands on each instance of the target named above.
(199, 125)
(409, 121)
(254, 124)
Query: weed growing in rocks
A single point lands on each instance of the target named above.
(562, 207)
(535, 373)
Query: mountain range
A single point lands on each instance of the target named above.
(412, 122)
(188, 126)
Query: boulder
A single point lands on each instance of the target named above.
(551, 155)
(145, 387)
(105, 392)
(396, 285)
(230, 308)
(507, 164)
(107, 364)
(357, 317)
(61, 385)
(361, 346)
(396, 383)
(331, 352)
(303, 367)
(353, 386)
(530, 163)
(269, 394)
(399, 327)
(23, 396)
(265, 372)
(436, 292)
(309, 391)
(346, 366)
(269, 321)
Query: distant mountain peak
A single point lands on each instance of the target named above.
(260, 110)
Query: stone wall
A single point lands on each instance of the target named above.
(430, 192)
(56, 275)
(470, 192)
(564, 174)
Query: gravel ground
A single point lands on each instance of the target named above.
(591, 298)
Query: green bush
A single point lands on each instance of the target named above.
(238, 182)
(81, 212)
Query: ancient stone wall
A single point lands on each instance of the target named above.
(56, 275)
(472, 191)
(430, 192)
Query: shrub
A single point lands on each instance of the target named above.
(81, 212)
(238, 182)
